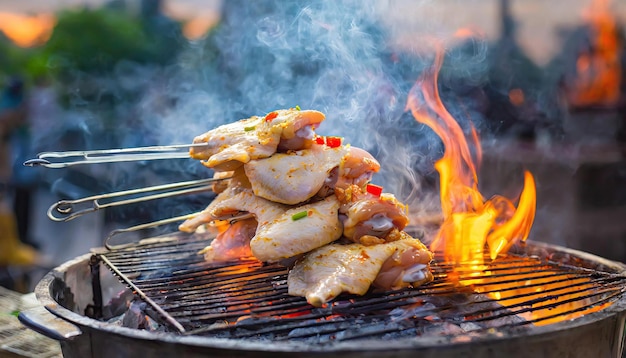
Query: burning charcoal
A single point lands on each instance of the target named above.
(488, 313)
(410, 332)
(372, 328)
(117, 305)
(117, 320)
(316, 330)
(420, 310)
(442, 329)
(470, 326)
(136, 317)
(151, 324)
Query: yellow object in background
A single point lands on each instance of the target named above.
(12, 251)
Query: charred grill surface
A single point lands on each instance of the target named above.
(248, 299)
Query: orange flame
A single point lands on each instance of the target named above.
(598, 70)
(470, 222)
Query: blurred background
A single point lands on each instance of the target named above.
(543, 82)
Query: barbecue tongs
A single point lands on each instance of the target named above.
(65, 210)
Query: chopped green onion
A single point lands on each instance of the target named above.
(297, 107)
(248, 129)
(299, 215)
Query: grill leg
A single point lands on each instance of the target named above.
(95, 310)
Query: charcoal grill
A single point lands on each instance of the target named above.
(540, 300)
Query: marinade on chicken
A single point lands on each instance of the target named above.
(220, 186)
(325, 273)
(368, 219)
(303, 193)
(278, 235)
(357, 169)
(408, 266)
(296, 176)
(232, 243)
(231, 145)
(234, 193)
(233, 202)
(298, 231)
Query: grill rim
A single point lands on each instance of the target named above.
(44, 294)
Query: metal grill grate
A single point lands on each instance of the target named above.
(248, 299)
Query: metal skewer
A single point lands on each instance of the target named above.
(231, 220)
(65, 210)
(47, 159)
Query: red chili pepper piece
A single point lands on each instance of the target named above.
(333, 142)
(271, 116)
(375, 190)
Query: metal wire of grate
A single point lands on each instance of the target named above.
(248, 299)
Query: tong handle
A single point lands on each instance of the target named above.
(46, 159)
(65, 210)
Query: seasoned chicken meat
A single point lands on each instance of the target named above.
(234, 201)
(220, 186)
(281, 233)
(368, 219)
(358, 168)
(233, 243)
(297, 231)
(408, 266)
(235, 187)
(296, 176)
(231, 145)
(326, 272)
(330, 270)
(301, 193)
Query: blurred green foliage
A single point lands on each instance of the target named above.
(93, 41)
(12, 58)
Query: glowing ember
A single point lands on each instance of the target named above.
(598, 69)
(470, 222)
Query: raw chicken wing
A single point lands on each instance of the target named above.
(231, 145)
(369, 219)
(292, 234)
(233, 243)
(408, 266)
(294, 177)
(238, 185)
(358, 168)
(330, 270)
(325, 273)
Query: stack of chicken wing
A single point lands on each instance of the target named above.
(307, 198)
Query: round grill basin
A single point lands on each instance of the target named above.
(69, 288)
